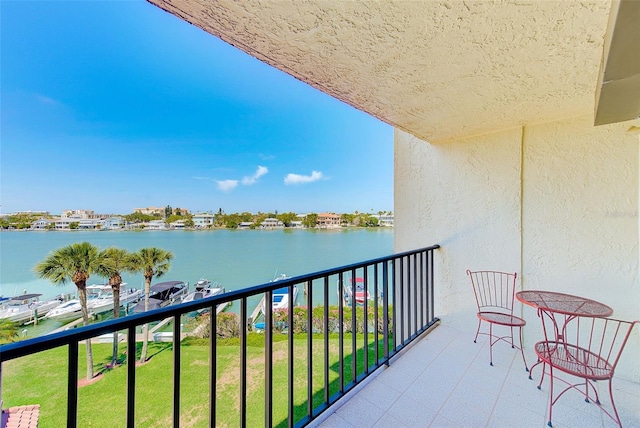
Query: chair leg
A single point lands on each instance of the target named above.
(491, 344)
(550, 394)
(613, 404)
(477, 331)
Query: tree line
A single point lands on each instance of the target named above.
(220, 220)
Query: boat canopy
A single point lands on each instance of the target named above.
(26, 296)
(164, 286)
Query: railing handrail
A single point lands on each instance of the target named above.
(42, 343)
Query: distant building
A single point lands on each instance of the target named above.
(272, 223)
(149, 210)
(328, 220)
(245, 225)
(90, 224)
(78, 214)
(63, 223)
(385, 219)
(203, 220)
(179, 224)
(160, 211)
(42, 224)
(113, 223)
(155, 225)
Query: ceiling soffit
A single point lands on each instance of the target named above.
(439, 70)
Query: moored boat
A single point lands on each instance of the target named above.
(163, 294)
(280, 296)
(361, 292)
(25, 308)
(100, 297)
(203, 289)
(99, 301)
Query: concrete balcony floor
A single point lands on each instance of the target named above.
(445, 380)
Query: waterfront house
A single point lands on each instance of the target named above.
(178, 224)
(42, 224)
(203, 220)
(89, 224)
(328, 221)
(113, 223)
(155, 225)
(272, 223)
(385, 220)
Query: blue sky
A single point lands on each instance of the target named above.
(112, 106)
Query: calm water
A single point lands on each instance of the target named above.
(235, 258)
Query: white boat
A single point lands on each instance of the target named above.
(361, 292)
(100, 297)
(203, 289)
(99, 301)
(163, 294)
(23, 309)
(66, 312)
(280, 296)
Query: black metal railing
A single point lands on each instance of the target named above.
(368, 327)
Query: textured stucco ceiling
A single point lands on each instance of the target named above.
(437, 69)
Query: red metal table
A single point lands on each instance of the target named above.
(567, 304)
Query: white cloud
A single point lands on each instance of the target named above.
(303, 179)
(262, 170)
(227, 185)
(46, 100)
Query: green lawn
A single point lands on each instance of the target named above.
(41, 379)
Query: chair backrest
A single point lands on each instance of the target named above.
(494, 290)
(604, 338)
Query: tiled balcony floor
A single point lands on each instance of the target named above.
(445, 380)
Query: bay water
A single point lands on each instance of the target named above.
(235, 258)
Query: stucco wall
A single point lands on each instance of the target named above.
(556, 202)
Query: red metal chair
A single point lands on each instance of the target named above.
(584, 348)
(495, 293)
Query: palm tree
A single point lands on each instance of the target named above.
(115, 261)
(152, 262)
(75, 262)
(8, 331)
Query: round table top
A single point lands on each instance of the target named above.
(564, 303)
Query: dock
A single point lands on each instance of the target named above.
(257, 311)
(154, 334)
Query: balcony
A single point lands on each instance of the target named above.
(445, 380)
(410, 369)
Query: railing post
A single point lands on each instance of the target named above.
(177, 333)
(341, 331)
(290, 378)
(72, 386)
(309, 348)
(385, 308)
(131, 375)
(243, 362)
(213, 366)
(326, 339)
(268, 360)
